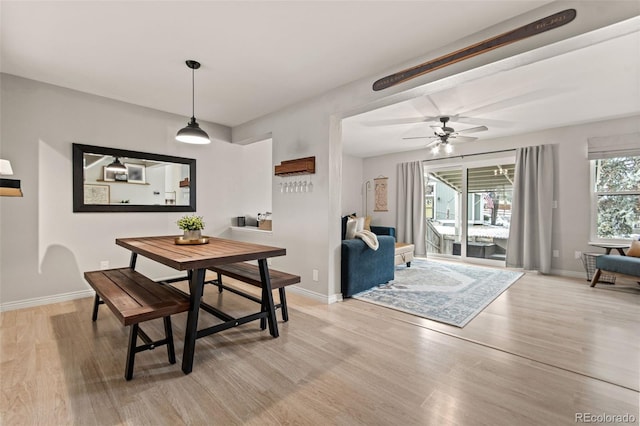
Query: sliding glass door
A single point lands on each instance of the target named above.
(468, 208)
(490, 190)
(443, 203)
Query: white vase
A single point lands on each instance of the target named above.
(192, 235)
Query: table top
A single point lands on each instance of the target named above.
(609, 245)
(218, 251)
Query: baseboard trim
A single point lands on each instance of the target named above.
(314, 295)
(571, 274)
(47, 300)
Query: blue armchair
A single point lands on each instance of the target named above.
(363, 268)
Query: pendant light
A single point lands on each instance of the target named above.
(117, 166)
(193, 133)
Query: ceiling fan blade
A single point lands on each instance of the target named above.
(474, 129)
(439, 130)
(422, 137)
(458, 138)
(481, 121)
(425, 106)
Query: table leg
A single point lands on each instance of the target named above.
(132, 260)
(621, 251)
(196, 283)
(267, 297)
(607, 250)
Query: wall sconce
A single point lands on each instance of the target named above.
(8, 187)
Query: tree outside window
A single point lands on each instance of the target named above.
(617, 197)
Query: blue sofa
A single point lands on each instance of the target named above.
(626, 265)
(363, 268)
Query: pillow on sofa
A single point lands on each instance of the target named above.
(344, 225)
(367, 223)
(634, 250)
(354, 224)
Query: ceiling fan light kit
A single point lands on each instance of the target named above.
(442, 135)
(193, 134)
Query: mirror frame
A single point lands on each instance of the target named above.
(78, 181)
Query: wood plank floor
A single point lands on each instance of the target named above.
(546, 349)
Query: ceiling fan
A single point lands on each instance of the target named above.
(443, 135)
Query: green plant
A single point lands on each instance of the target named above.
(190, 223)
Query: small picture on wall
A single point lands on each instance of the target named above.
(96, 194)
(136, 173)
(112, 176)
(381, 194)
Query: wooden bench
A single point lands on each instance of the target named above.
(250, 274)
(134, 298)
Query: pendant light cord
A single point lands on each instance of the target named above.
(193, 94)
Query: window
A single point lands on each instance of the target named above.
(616, 197)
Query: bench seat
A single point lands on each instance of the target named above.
(250, 274)
(134, 298)
(625, 265)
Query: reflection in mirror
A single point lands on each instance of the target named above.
(108, 179)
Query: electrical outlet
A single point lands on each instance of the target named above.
(556, 253)
(104, 264)
(315, 275)
(555, 204)
(578, 254)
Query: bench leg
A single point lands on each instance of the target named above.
(131, 351)
(263, 308)
(283, 305)
(96, 303)
(595, 278)
(219, 282)
(168, 334)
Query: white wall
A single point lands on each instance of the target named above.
(353, 186)
(571, 220)
(257, 179)
(45, 246)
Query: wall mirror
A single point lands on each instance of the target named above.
(145, 182)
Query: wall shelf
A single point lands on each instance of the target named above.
(251, 229)
(299, 166)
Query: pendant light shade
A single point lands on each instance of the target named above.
(193, 133)
(117, 166)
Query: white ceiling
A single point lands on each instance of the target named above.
(590, 84)
(257, 56)
(260, 56)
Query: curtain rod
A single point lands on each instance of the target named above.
(471, 155)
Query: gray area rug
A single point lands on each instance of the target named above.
(446, 292)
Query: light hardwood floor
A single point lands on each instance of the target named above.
(546, 349)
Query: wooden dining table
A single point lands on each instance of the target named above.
(196, 259)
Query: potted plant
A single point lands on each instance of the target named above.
(192, 226)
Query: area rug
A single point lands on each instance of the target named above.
(446, 292)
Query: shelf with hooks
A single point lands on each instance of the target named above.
(299, 166)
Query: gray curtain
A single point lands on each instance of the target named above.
(531, 210)
(410, 221)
